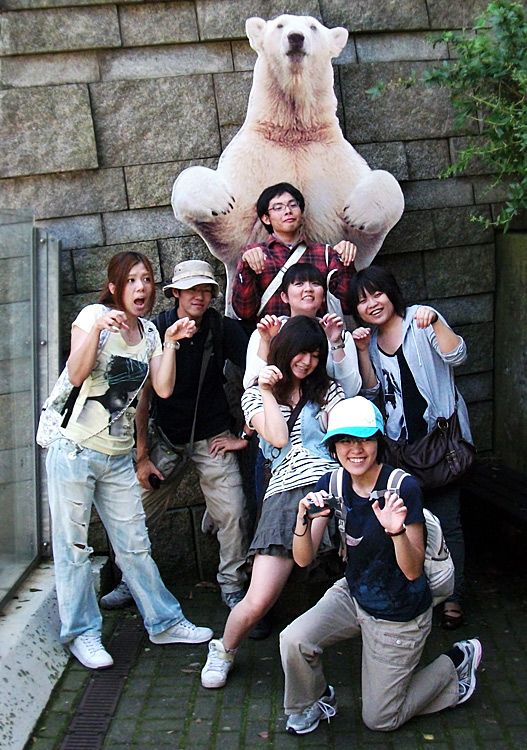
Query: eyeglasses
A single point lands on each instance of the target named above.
(279, 207)
(351, 439)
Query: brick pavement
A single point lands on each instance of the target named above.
(164, 705)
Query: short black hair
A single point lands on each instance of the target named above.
(262, 204)
(302, 272)
(375, 279)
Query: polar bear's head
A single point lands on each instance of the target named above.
(295, 42)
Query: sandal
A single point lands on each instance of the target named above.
(452, 616)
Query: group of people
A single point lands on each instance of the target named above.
(152, 398)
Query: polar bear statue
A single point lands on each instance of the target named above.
(291, 134)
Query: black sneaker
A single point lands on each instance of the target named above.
(119, 598)
(467, 669)
(263, 628)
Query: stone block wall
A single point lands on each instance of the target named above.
(105, 102)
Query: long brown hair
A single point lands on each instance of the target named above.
(118, 271)
(300, 334)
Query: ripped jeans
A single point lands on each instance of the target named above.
(109, 482)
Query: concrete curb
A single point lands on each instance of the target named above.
(32, 658)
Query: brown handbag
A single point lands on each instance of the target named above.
(439, 458)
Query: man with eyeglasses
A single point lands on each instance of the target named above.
(261, 266)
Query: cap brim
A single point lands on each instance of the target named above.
(360, 432)
(189, 283)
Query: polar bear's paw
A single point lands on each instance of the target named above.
(201, 195)
(364, 218)
(375, 204)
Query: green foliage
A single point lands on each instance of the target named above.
(487, 78)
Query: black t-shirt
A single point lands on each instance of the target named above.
(176, 413)
(401, 393)
(373, 575)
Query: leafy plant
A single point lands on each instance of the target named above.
(487, 78)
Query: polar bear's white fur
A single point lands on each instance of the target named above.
(291, 134)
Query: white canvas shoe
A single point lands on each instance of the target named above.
(88, 649)
(217, 667)
(183, 632)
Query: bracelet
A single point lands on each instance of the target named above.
(397, 533)
(170, 345)
(245, 435)
(433, 322)
(338, 346)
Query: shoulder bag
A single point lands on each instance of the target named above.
(439, 458)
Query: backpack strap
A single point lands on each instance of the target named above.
(164, 320)
(150, 336)
(393, 484)
(207, 351)
(67, 409)
(396, 479)
(335, 483)
(335, 488)
(217, 328)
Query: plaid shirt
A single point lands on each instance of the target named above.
(248, 287)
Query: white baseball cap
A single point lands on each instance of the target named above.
(354, 416)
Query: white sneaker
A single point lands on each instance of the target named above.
(88, 649)
(183, 632)
(218, 665)
(118, 598)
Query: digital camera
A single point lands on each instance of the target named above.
(329, 502)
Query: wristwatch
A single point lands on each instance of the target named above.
(335, 347)
(245, 435)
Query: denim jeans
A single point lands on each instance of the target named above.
(109, 482)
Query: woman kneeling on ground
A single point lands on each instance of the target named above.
(384, 595)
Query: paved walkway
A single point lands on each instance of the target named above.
(164, 706)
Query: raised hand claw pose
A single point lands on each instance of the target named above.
(303, 290)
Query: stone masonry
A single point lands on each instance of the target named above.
(104, 103)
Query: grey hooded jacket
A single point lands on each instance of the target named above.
(432, 370)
